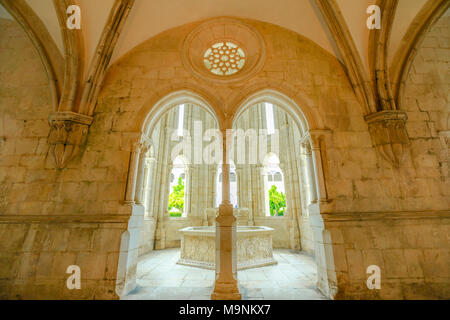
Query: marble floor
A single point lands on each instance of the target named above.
(160, 278)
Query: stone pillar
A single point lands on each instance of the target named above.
(239, 186)
(265, 198)
(213, 188)
(317, 140)
(309, 172)
(258, 193)
(188, 173)
(139, 196)
(132, 173)
(226, 285)
(149, 191)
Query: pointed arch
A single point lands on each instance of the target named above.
(352, 60)
(279, 99)
(173, 100)
(432, 11)
(36, 31)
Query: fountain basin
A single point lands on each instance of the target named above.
(254, 247)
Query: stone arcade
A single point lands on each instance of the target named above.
(339, 151)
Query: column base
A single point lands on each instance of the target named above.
(226, 291)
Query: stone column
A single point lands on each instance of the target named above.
(265, 182)
(141, 174)
(318, 152)
(226, 286)
(239, 186)
(188, 172)
(132, 174)
(309, 172)
(149, 191)
(213, 188)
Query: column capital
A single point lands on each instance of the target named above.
(389, 137)
(68, 131)
(149, 162)
(312, 135)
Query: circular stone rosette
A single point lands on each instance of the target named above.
(224, 50)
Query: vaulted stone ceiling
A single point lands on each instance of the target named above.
(148, 18)
(376, 62)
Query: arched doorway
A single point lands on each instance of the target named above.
(291, 148)
(173, 188)
(285, 169)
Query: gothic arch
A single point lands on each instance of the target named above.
(305, 117)
(411, 42)
(156, 107)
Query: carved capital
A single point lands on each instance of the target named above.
(150, 162)
(389, 136)
(141, 144)
(68, 131)
(306, 149)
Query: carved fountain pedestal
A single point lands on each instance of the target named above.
(254, 247)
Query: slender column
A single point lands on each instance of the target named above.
(317, 140)
(188, 173)
(309, 172)
(132, 173)
(265, 183)
(213, 188)
(239, 186)
(140, 178)
(259, 195)
(226, 286)
(149, 189)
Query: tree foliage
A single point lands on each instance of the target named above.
(277, 202)
(176, 198)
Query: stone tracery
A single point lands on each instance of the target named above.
(224, 58)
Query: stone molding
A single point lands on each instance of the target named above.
(68, 132)
(18, 219)
(105, 49)
(376, 216)
(378, 59)
(74, 47)
(349, 53)
(389, 135)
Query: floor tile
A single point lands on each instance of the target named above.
(294, 277)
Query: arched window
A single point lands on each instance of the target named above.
(233, 186)
(274, 191)
(177, 188)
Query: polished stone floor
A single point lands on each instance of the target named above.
(159, 277)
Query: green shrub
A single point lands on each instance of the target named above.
(176, 198)
(277, 202)
(175, 214)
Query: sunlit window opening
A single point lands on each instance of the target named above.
(177, 189)
(275, 195)
(269, 118)
(180, 128)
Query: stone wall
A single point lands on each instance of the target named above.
(407, 237)
(364, 192)
(41, 229)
